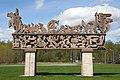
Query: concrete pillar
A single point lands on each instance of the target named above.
(87, 64)
(27, 64)
(30, 63)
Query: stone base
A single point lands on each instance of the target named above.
(87, 64)
(30, 64)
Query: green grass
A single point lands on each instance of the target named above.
(101, 72)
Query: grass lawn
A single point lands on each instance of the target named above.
(101, 72)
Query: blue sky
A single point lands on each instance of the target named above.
(67, 11)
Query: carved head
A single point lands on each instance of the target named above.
(109, 20)
(40, 24)
(10, 15)
(12, 21)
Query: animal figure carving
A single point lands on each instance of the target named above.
(84, 26)
(103, 21)
(64, 29)
(32, 29)
(43, 29)
(93, 26)
(52, 26)
(15, 21)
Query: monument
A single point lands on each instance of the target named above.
(85, 37)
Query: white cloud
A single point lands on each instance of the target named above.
(39, 3)
(104, 0)
(6, 34)
(74, 16)
(115, 32)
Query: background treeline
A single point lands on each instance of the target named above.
(110, 55)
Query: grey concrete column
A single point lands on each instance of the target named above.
(87, 64)
(30, 63)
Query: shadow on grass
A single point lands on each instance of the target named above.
(47, 73)
(105, 74)
(95, 74)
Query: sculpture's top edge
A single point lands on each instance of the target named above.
(99, 26)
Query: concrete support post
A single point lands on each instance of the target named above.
(30, 63)
(87, 64)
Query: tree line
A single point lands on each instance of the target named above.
(110, 55)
